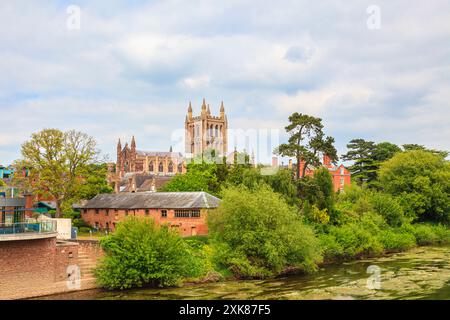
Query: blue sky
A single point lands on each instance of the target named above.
(133, 67)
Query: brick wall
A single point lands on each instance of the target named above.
(26, 265)
(107, 218)
(35, 267)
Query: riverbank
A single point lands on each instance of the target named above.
(419, 273)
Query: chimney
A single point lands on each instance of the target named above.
(301, 165)
(274, 161)
(326, 160)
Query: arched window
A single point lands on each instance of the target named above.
(217, 130)
(170, 166)
(220, 131)
(180, 167)
(160, 167)
(151, 166)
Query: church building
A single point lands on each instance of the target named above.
(206, 132)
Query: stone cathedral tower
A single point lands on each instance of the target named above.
(205, 131)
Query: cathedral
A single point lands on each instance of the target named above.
(137, 171)
(206, 132)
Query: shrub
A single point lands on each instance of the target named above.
(258, 234)
(396, 240)
(140, 253)
(355, 240)
(330, 246)
(388, 207)
(424, 234)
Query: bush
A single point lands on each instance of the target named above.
(140, 253)
(388, 207)
(396, 240)
(257, 234)
(330, 246)
(424, 234)
(355, 240)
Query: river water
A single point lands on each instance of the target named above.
(421, 273)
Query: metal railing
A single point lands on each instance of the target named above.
(25, 227)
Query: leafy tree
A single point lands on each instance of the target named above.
(306, 141)
(364, 167)
(257, 234)
(94, 181)
(384, 151)
(324, 198)
(140, 253)
(2, 183)
(57, 160)
(421, 180)
(413, 146)
(190, 181)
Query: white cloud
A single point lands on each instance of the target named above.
(133, 68)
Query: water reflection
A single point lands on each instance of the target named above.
(422, 273)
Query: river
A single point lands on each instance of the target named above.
(421, 273)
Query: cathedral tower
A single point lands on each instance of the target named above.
(206, 131)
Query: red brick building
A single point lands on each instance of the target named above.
(186, 211)
(340, 174)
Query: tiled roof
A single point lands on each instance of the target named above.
(153, 200)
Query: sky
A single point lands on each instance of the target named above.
(378, 70)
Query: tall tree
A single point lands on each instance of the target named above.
(56, 160)
(384, 151)
(306, 141)
(360, 152)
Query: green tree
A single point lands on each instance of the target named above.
(306, 141)
(56, 159)
(324, 194)
(140, 253)
(190, 181)
(413, 146)
(2, 183)
(94, 181)
(384, 151)
(257, 234)
(364, 167)
(421, 180)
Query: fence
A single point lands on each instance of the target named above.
(24, 227)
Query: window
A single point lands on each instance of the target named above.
(163, 213)
(342, 171)
(151, 167)
(96, 211)
(342, 181)
(126, 212)
(170, 166)
(106, 212)
(147, 212)
(160, 167)
(182, 213)
(180, 167)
